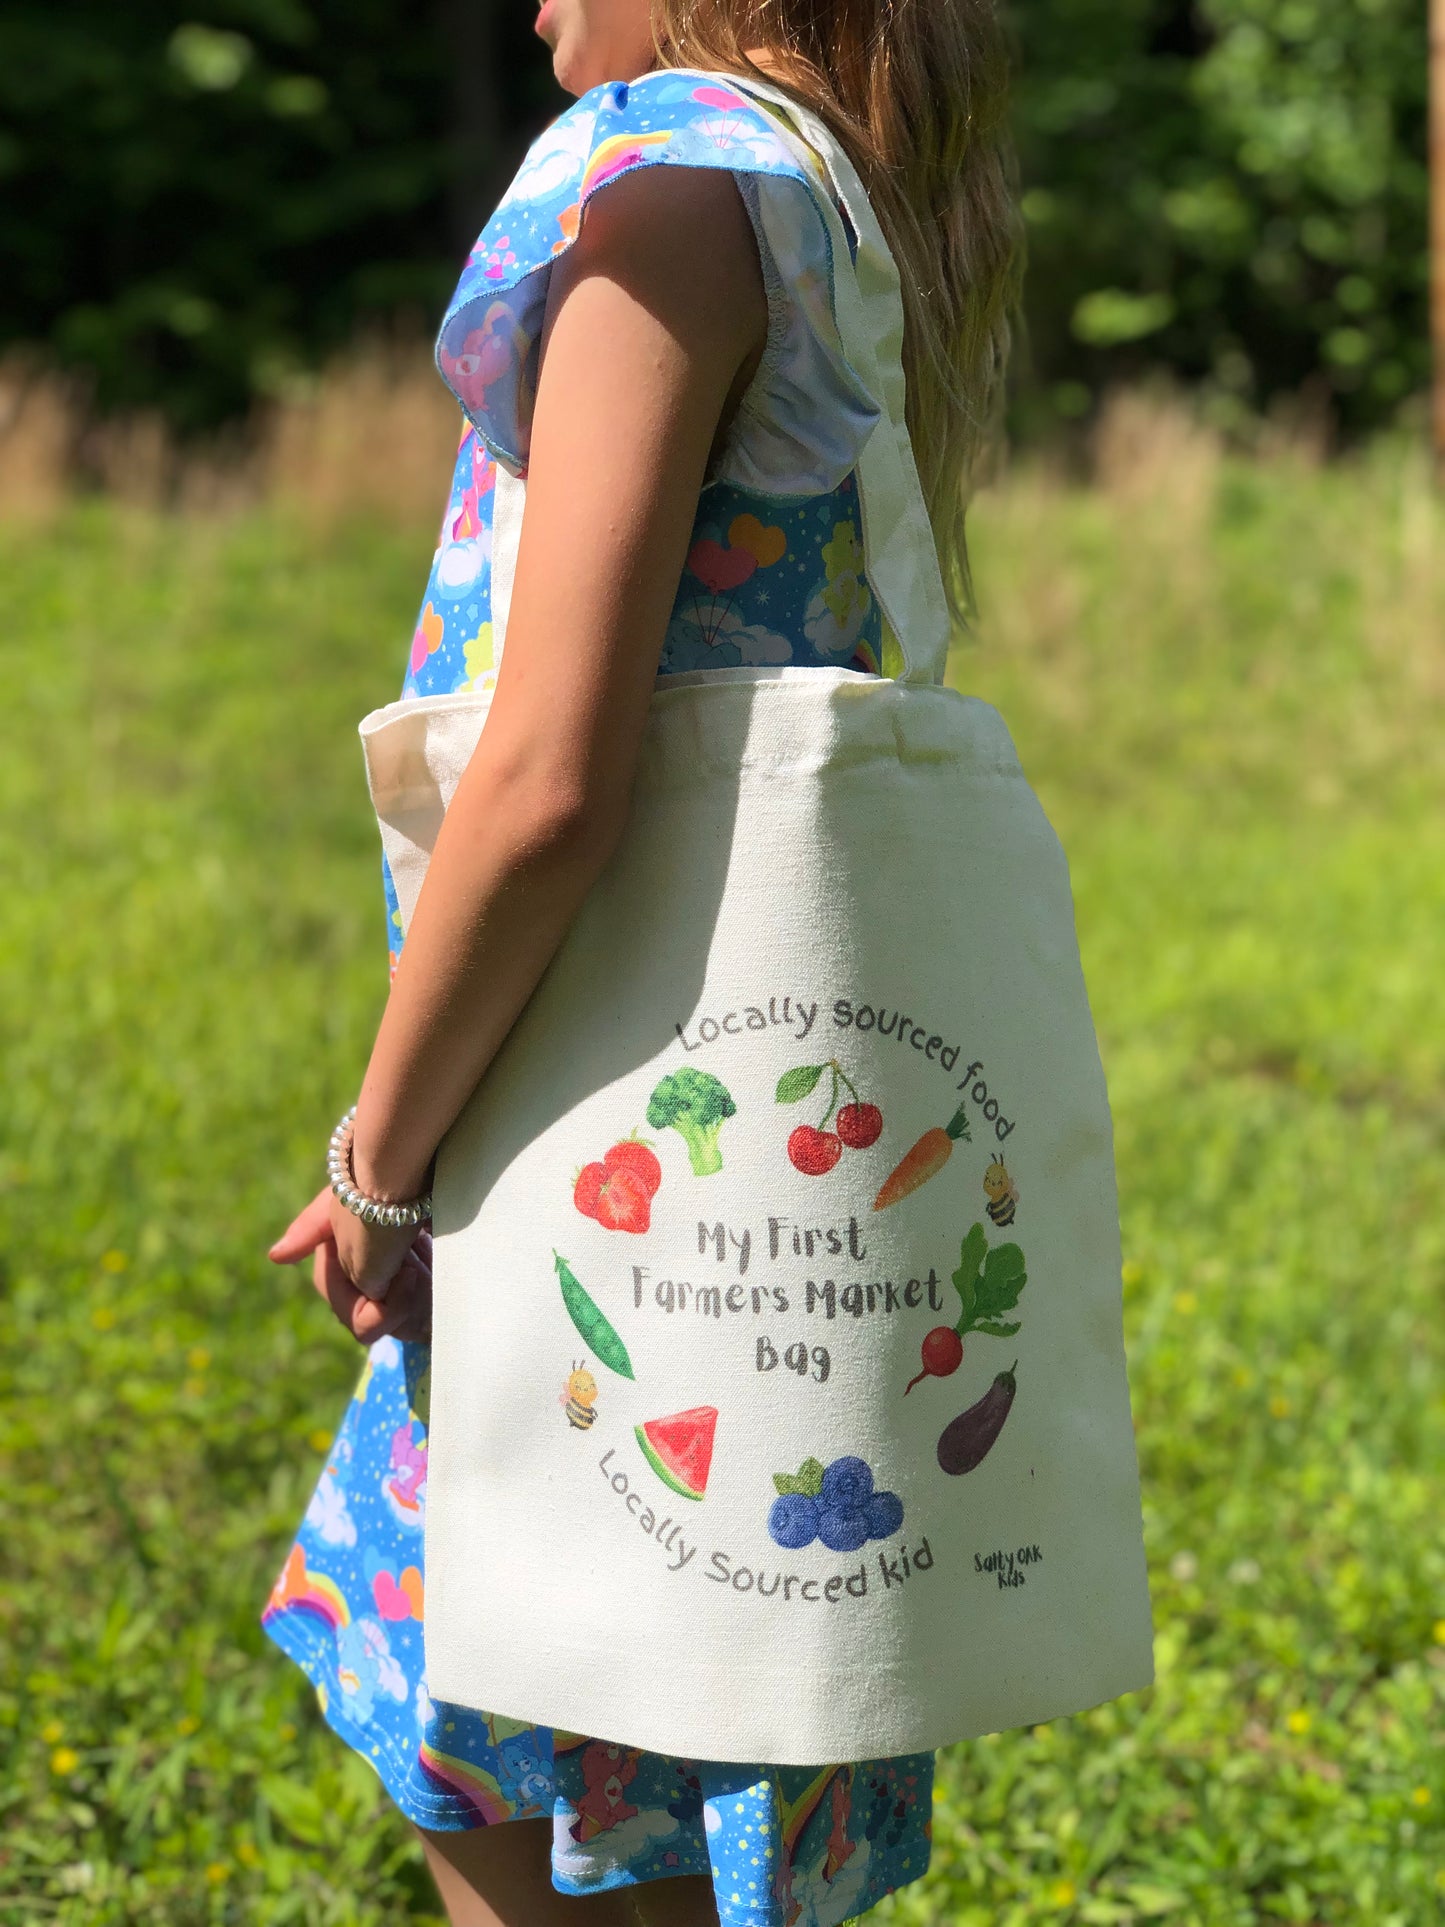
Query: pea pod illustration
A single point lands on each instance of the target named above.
(589, 1318)
(970, 1438)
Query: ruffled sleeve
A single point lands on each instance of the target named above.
(807, 413)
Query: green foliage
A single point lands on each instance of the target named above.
(807, 1480)
(199, 201)
(1232, 189)
(1231, 708)
(989, 1284)
(797, 1084)
(192, 955)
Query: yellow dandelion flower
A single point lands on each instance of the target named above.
(1298, 1721)
(1132, 1272)
(51, 1732)
(188, 1724)
(318, 1440)
(248, 1853)
(64, 1760)
(198, 1358)
(1243, 1377)
(1063, 1893)
(114, 1261)
(1438, 1632)
(103, 1318)
(286, 1731)
(1185, 1302)
(1421, 1797)
(1278, 1407)
(217, 1872)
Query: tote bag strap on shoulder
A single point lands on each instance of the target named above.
(900, 560)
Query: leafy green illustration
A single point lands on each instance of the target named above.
(795, 1085)
(807, 1480)
(989, 1284)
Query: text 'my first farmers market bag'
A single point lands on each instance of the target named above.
(779, 1406)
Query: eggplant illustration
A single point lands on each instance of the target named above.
(970, 1438)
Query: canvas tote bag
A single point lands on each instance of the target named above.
(779, 1407)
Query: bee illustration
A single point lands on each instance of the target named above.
(1003, 1193)
(579, 1397)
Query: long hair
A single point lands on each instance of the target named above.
(916, 92)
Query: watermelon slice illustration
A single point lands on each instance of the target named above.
(679, 1448)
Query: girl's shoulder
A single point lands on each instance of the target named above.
(807, 412)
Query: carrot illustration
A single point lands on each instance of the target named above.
(924, 1161)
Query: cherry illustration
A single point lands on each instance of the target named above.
(815, 1149)
(942, 1355)
(859, 1125)
(812, 1151)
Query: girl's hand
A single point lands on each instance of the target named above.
(370, 1254)
(377, 1282)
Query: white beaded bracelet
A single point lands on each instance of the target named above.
(369, 1210)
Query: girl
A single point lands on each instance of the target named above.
(658, 351)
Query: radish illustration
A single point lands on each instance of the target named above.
(989, 1283)
(942, 1356)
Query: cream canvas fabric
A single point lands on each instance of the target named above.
(779, 1406)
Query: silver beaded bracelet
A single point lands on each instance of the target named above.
(369, 1210)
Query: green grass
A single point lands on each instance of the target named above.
(1227, 684)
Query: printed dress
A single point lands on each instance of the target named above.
(773, 575)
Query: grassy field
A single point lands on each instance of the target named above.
(1227, 681)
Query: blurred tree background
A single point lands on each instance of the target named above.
(203, 197)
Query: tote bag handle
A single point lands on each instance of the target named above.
(899, 557)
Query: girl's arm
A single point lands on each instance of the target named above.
(655, 322)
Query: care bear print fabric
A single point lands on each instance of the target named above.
(773, 576)
(782, 1844)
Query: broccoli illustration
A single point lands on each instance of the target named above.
(694, 1103)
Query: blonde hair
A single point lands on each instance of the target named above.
(916, 92)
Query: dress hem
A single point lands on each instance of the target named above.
(446, 1814)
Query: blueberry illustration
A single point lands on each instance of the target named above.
(843, 1529)
(885, 1515)
(847, 1483)
(793, 1521)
